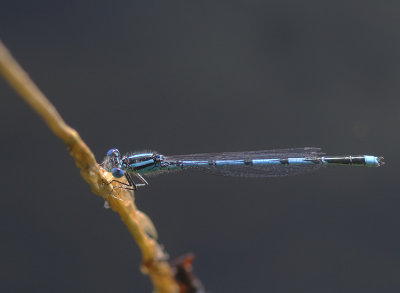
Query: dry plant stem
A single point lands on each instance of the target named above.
(120, 200)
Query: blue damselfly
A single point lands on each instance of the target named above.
(266, 163)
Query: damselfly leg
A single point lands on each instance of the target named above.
(131, 184)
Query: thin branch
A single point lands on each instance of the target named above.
(122, 201)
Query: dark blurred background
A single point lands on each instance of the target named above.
(184, 77)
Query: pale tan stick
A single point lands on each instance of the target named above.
(120, 200)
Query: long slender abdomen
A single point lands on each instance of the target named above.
(358, 160)
(265, 163)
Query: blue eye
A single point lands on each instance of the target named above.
(113, 152)
(117, 172)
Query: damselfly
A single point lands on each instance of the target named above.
(266, 163)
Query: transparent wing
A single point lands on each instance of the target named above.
(261, 171)
(267, 170)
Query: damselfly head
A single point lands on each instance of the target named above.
(112, 163)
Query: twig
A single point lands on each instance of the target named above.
(154, 261)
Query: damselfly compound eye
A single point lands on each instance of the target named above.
(113, 153)
(117, 172)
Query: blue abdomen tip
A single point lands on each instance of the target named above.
(373, 161)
